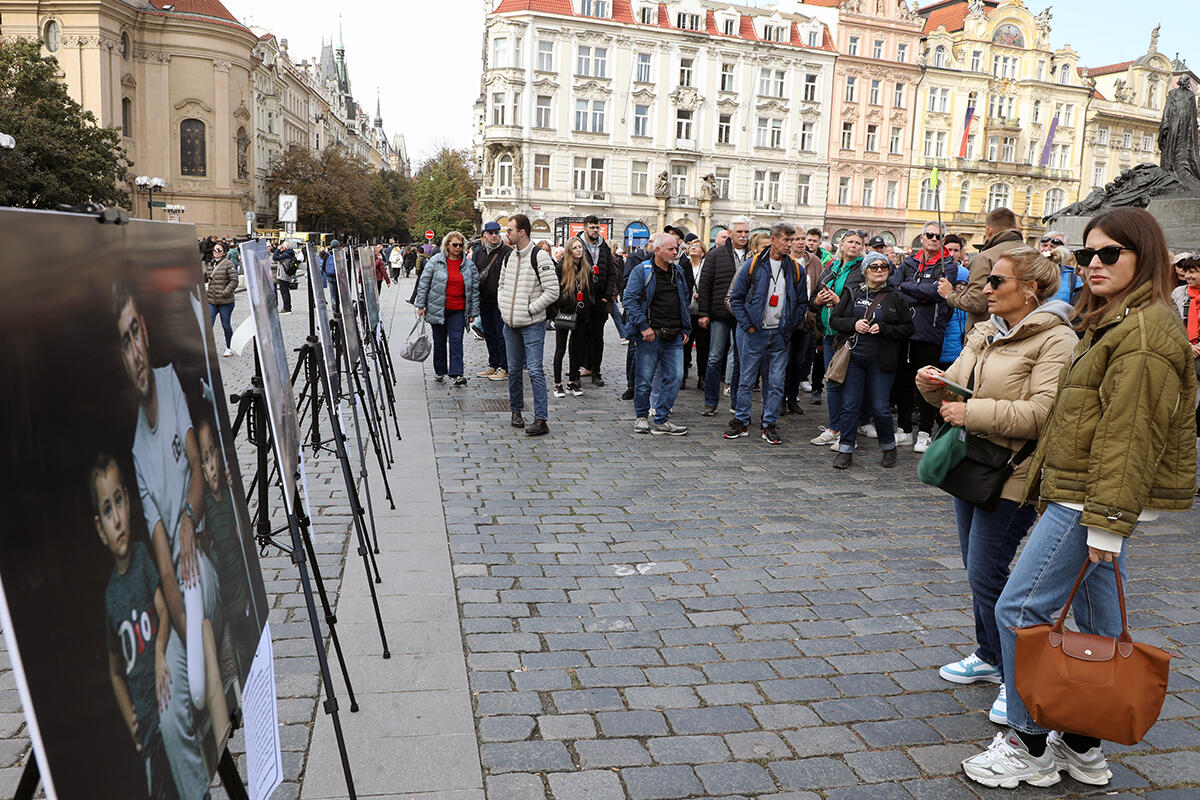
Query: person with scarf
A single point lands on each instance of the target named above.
(836, 281)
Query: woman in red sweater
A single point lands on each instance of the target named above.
(448, 296)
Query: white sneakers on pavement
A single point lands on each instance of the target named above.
(998, 713)
(1090, 767)
(1007, 763)
(868, 430)
(922, 443)
(228, 353)
(642, 425)
(971, 669)
(903, 437)
(824, 438)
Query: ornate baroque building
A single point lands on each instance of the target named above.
(1000, 115)
(687, 112)
(870, 138)
(175, 79)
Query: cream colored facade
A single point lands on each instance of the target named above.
(177, 84)
(870, 140)
(998, 60)
(686, 113)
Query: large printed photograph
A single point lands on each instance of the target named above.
(131, 593)
(370, 288)
(345, 309)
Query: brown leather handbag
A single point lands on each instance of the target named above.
(1091, 685)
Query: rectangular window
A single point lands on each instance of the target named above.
(725, 129)
(896, 140)
(944, 101)
(724, 181)
(597, 174)
(1101, 135)
(685, 72)
(872, 138)
(1033, 154)
(774, 33)
(679, 179)
(727, 77)
(639, 177)
(687, 22)
(764, 82)
(517, 52)
(852, 50)
(1064, 157)
(893, 193)
(814, 38)
(542, 119)
(593, 8)
(541, 171)
(647, 15)
(583, 61)
(498, 109)
(777, 133)
(600, 62)
(902, 53)
(1098, 172)
(976, 61)
(730, 27)
(545, 57)
(1147, 142)
(877, 49)
(875, 98)
(780, 82)
(579, 174)
(843, 192)
(500, 52)
(847, 135)
(760, 186)
(643, 68)
(641, 120)
(851, 89)
(868, 192)
(810, 86)
(516, 108)
(808, 137)
(971, 147)
(1008, 149)
(931, 105)
(597, 116)
(803, 184)
(993, 151)
(581, 115)
(683, 125)
(898, 96)
(929, 144)
(1127, 140)
(762, 132)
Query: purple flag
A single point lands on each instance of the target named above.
(1049, 141)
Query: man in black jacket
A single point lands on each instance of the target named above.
(489, 257)
(606, 279)
(716, 276)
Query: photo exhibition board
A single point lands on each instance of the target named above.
(345, 307)
(366, 269)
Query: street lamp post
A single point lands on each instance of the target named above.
(150, 186)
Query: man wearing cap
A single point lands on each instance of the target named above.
(605, 285)
(489, 256)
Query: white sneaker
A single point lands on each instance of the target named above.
(1007, 763)
(668, 428)
(624, 341)
(903, 437)
(998, 713)
(868, 430)
(726, 390)
(825, 437)
(838, 443)
(228, 352)
(806, 387)
(971, 669)
(642, 425)
(923, 440)
(1089, 767)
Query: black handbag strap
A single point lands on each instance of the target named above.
(1027, 449)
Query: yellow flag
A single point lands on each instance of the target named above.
(933, 179)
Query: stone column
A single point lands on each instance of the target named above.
(662, 214)
(705, 221)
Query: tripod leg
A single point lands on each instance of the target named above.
(30, 777)
(374, 440)
(372, 409)
(330, 617)
(230, 780)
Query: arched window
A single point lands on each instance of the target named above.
(126, 117)
(964, 196)
(998, 195)
(193, 153)
(126, 48)
(939, 56)
(52, 36)
(1064, 74)
(243, 154)
(927, 200)
(1055, 199)
(1029, 200)
(504, 171)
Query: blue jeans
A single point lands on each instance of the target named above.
(226, 312)
(525, 347)
(988, 541)
(668, 358)
(452, 329)
(865, 387)
(1038, 589)
(720, 346)
(833, 391)
(493, 334)
(622, 328)
(754, 348)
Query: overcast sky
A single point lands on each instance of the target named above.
(424, 55)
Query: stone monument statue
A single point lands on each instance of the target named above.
(708, 187)
(1177, 133)
(662, 186)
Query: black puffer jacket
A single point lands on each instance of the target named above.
(489, 278)
(894, 315)
(716, 276)
(605, 276)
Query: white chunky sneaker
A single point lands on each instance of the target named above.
(922, 443)
(903, 437)
(868, 430)
(998, 713)
(1090, 767)
(1006, 763)
(825, 438)
(971, 669)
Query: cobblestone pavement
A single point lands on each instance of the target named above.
(656, 617)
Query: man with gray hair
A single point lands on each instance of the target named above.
(768, 299)
(1051, 240)
(656, 301)
(716, 276)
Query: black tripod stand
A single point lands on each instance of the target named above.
(252, 409)
(361, 398)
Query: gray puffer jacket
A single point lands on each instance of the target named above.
(431, 288)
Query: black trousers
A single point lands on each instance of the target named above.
(700, 338)
(578, 348)
(594, 338)
(920, 354)
(796, 363)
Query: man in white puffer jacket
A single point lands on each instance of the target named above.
(528, 286)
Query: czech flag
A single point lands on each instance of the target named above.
(962, 148)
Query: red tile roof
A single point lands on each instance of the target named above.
(1096, 94)
(747, 29)
(622, 11)
(823, 3)
(198, 8)
(1109, 69)
(663, 16)
(548, 6)
(950, 13)
(710, 23)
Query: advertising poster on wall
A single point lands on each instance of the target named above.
(346, 307)
(366, 271)
(130, 589)
(272, 356)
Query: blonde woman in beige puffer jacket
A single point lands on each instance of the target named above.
(1011, 362)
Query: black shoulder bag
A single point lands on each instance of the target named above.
(980, 477)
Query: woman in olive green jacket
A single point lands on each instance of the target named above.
(1119, 447)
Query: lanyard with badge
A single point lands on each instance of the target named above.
(775, 278)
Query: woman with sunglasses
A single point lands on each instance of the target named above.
(1011, 363)
(876, 317)
(1118, 447)
(835, 282)
(448, 297)
(222, 279)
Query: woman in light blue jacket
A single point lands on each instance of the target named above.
(448, 296)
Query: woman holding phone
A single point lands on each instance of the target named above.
(1010, 365)
(1119, 447)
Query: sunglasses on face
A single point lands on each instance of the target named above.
(996, 281)
(1055, 241)
(455, 244)
(935, 236)
(1108, 255)
(879, 267)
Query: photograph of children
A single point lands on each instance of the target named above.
(366, 279)
(321, 312)
(272, 356)
(132, 597)
(346, 310)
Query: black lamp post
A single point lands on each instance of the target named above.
(150, 186)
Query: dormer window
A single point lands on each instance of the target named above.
(729, 27)
(646, 15)
(774, 33)
(594, 8)
(814, 38)
(687, 21)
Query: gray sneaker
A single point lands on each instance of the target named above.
(642, 425)
(1006, 763)
(1090, 767)
(668, 428)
